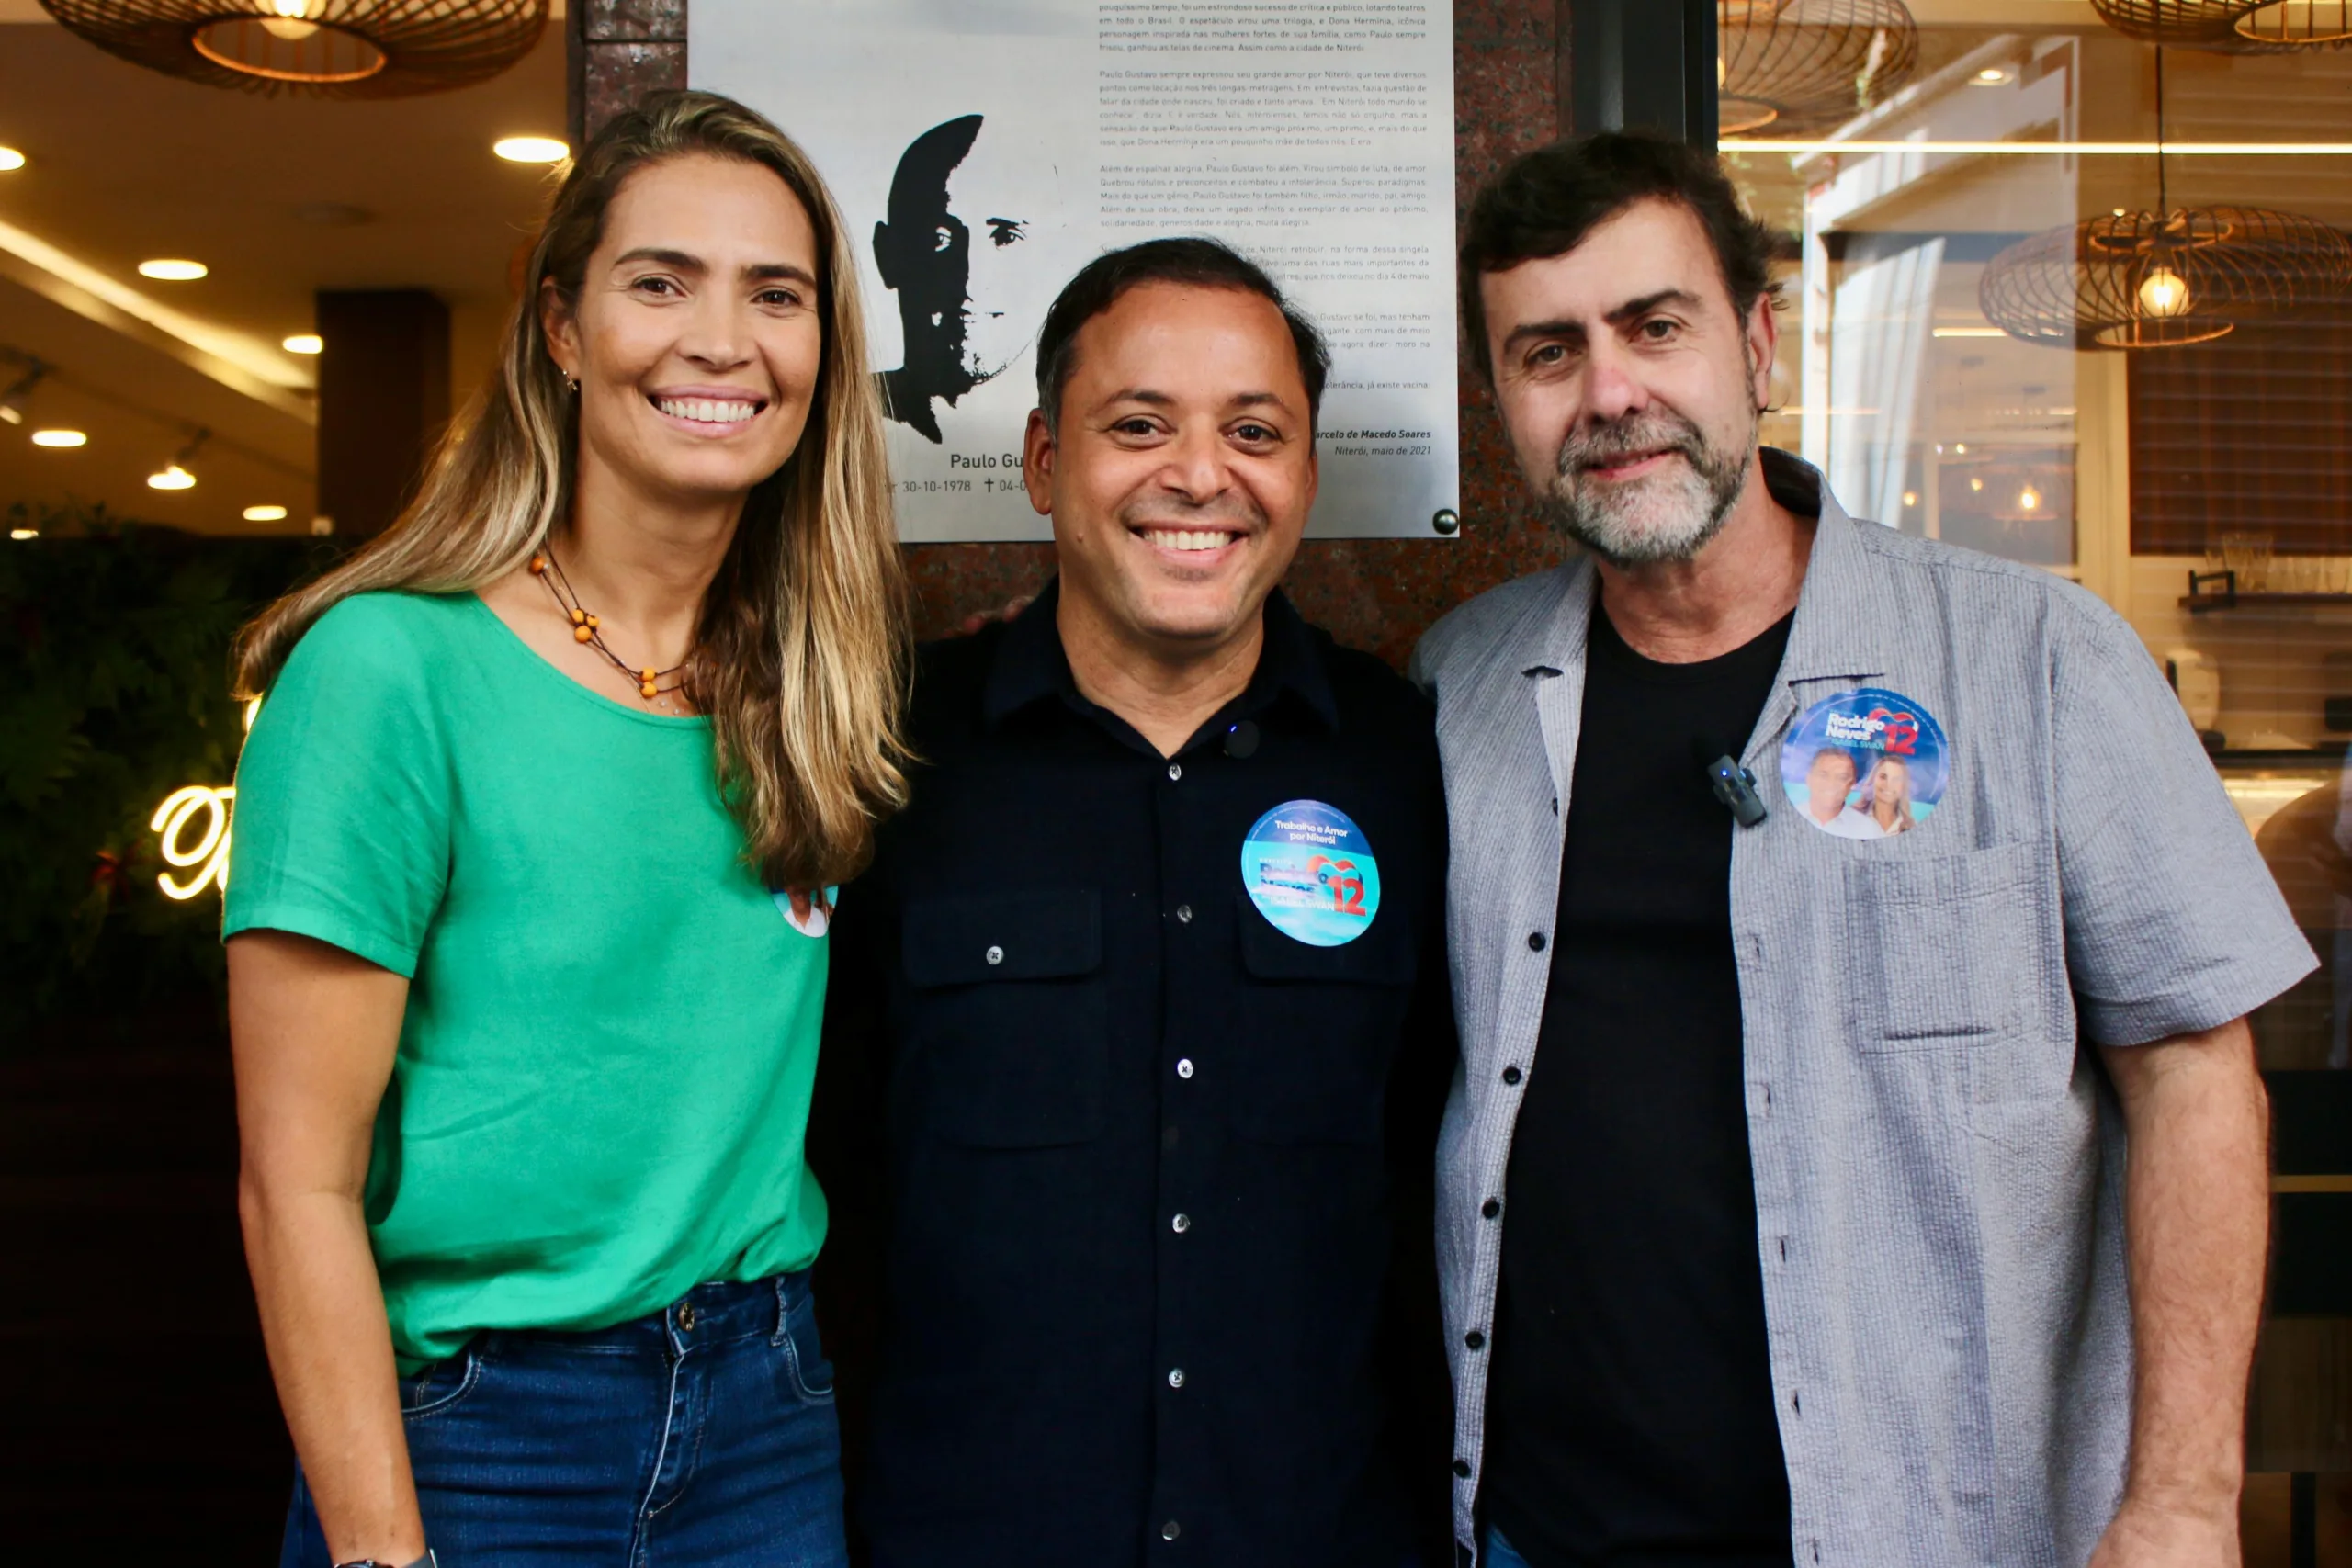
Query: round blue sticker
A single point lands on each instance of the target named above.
(1310, 871)
(809, 916)
(1865, 764)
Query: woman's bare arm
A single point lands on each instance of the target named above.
(315, 1030)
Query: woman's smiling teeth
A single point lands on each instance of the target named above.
(706, 411)
(1186, 539)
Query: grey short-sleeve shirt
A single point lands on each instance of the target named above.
(1937, 1159)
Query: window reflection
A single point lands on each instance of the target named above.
(2220, 452)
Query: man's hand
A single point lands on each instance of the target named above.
(2150, 1535)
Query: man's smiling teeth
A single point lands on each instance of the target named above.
(708, 411)
(1187, 539)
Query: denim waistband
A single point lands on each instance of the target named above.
(716, 1313)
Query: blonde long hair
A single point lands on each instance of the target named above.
(1903, 821)
(802, 658)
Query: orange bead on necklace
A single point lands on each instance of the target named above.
(586, 628)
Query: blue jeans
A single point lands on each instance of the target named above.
(1498, 1552)
(703, 1437)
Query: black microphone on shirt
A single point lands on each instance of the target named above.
(1732, 785)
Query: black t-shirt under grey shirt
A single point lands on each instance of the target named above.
(1630, 1413)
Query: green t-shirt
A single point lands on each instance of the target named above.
(603, 1082)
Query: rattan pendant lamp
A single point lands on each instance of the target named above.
(2165, 278)
(342, 48)
(2231, 27)
(1805, 65)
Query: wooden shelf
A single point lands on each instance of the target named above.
(2322, 754)
(2202, 603)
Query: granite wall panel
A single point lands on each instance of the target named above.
(1373, 593)
(658, 21)
(618, 51)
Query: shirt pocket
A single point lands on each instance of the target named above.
(1320, 1027)
(1943, 950)
(1011, 1019)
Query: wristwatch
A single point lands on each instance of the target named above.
(427, 1561)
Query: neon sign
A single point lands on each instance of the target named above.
(205, 808)
(194, 804)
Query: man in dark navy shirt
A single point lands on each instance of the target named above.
(1147, 989)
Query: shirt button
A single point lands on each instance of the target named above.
(1184, 914)
(1461, 1468)
(1490, 1208)
(1181, 1223)
(1511, 1075)
(1474, 1341)
(1175, 1377)
(994, 955)
(1171, 1530)
(1534, 942)
(1175, 771)
(1184, 1066)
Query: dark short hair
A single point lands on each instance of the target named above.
(1544, 203)
(1199, 264)
(919, 185)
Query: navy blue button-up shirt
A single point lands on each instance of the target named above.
(1147, 1158)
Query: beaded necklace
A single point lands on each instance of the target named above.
(586, 628)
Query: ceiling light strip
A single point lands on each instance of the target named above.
(236, 362)
(2051, 149)
(55, 376)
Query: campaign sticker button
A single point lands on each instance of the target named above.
(1310, 871)
(809, 917)
(1868, 763)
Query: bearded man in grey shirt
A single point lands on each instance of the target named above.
(1977, 1226)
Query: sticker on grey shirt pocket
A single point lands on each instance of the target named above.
(1868, 763)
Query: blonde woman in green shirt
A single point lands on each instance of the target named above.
(526, 914)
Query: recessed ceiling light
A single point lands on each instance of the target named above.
(173, 477)
(264, 515)
(304, 342)
(58, 438)
(11, 159)
(12, 402)
(24, 532)
(168, 270)
(1991, 76)
(531, 150)
(1973, 484)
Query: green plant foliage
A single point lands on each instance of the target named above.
(114, 638)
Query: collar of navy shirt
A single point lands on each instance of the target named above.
(1829, 640)
(1031, 666)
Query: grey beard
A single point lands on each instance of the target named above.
(1668, 518)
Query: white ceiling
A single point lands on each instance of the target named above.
(280, 196)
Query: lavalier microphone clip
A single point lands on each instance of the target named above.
(1736, 788)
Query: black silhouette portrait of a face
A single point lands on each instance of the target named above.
(925, 253)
